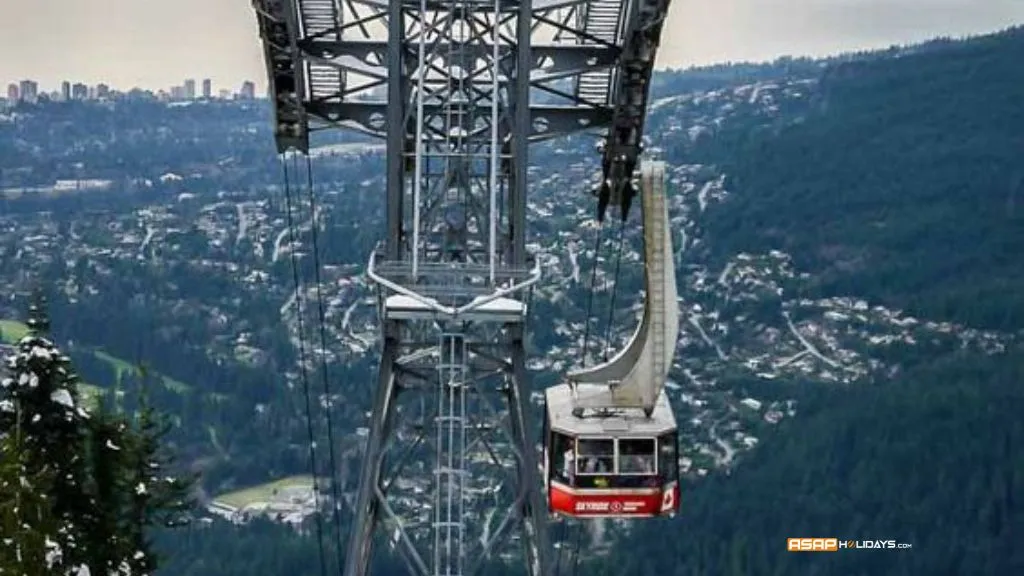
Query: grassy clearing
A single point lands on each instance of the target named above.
(263, 492)
(11, 331)
(90, 395)
(122, 368)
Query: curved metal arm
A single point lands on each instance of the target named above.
(433, 304)
(429, 302)
(634, 378)
(533, 279)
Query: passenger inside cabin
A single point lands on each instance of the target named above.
(609, 463)
(595, 459)
(636, 456)
(637, 463)
(569, 465)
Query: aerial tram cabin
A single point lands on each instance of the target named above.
(613, 465)
(611, 443)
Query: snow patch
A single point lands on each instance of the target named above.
(63, 397)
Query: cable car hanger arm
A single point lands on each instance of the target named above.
(635, 377)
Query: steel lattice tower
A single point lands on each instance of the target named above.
(450, 475)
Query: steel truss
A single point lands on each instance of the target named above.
(591, 59)
(458, 89)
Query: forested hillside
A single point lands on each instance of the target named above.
(900, 185)
(930, 459)
(903, 185)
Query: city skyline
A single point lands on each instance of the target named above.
(200, 85)
(30, 90)
(157, 45)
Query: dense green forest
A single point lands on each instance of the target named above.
(930, 459)
(902, 185)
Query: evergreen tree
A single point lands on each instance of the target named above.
(107, 542)
(157, 499)
(78, 491)
(27, 526)
(40, 402)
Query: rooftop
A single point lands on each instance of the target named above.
(622, 423)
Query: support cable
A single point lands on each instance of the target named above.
(314, 213)
(590, 294)
(302, 366)
(586, 340)
(608, 330)
(615, 291)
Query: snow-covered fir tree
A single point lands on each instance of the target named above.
(26, 518)
(39, 405)
(158, 499)
(88, 485)
(106, 540)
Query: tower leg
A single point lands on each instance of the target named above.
(360, 547)
(534, 511)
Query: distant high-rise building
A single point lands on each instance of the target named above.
(28, 91)
(65, 90)
(79, 91)
(102, 91)
(224, 94)
(12, 92)
(140, 94)
(178, 93)
(207, 88)
(248, 90)
(190, 89)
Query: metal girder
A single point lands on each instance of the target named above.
(480, 429)
(275, 19)
(545, 121)
(624, 141)
(367, 507)
(605, 48)
(550, 61)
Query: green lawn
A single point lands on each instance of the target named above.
(261, 493)
(11, 331)
(122, 367)
(89, 395)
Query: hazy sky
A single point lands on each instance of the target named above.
(157, 43)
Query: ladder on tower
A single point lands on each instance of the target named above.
(321, 19)
(449, 489)
(603, 21)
